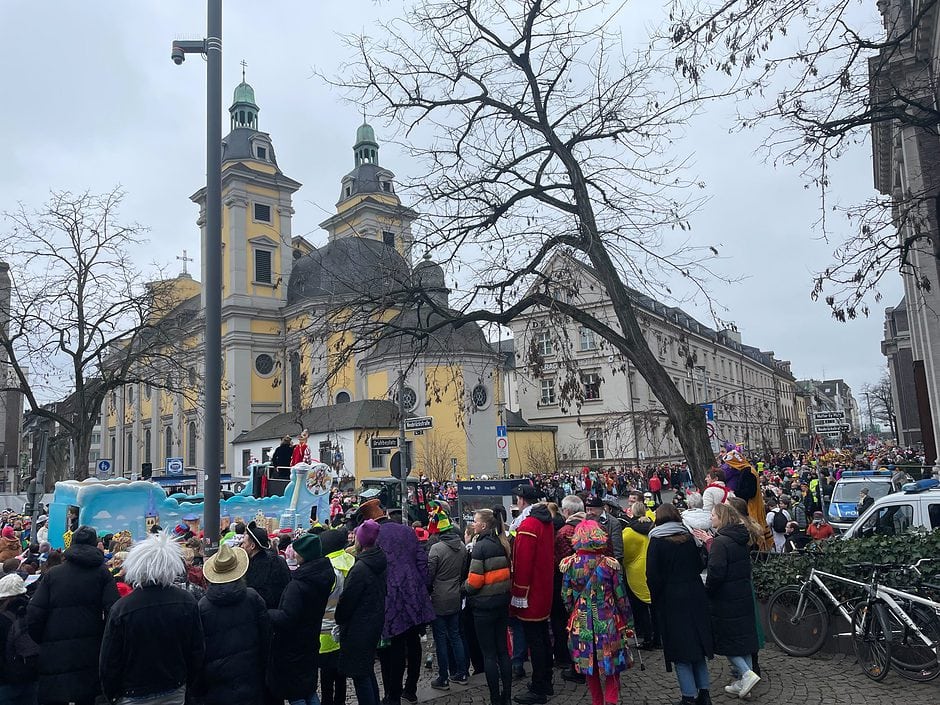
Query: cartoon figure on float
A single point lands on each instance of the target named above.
(741, 478)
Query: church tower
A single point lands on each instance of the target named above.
(368, 206)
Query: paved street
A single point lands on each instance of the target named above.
(825, 679)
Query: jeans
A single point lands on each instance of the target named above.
(540, 653)
(367, 689)
(403, 647)
(311, 699)
(519, 648)
(332, 682)
(19, 693)
(491, 628)
(446, 630)
(173, 697)
(692, 677)
(739, 665)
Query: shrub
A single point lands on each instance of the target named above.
(832, 556)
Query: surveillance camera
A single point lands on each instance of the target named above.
(177, 55)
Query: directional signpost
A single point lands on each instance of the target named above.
(830, 423)
(502, 443)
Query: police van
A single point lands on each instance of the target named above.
(843, 509)
(916, 506)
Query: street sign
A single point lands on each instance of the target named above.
(419, 432)
(419, 423)
(500, 431)
(174, 466)
(377, 442)
(453, 463)
(829, 421)
(709, 411)
(502, 447)
(104, 469)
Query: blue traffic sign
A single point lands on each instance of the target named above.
(709, 411)
(500, 431)
(104, 468)
(174, 466)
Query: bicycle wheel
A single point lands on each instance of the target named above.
(872, 639)
(910, 656)
(799, 621)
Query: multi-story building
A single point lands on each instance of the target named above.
(896, 346)
(832, 395)
(606, 413)
(11, 401)
(906, 155)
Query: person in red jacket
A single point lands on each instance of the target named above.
(532, 571)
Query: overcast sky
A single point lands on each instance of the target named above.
(91, 100)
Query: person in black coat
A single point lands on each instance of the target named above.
(237, 632)
(153, 643)
(18, 677)
(297, 622)
(66, 617)
(360, 614)
(673, 575)
(268, 573)
(730, 597)
(282, 457)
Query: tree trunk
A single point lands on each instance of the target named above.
(81, 439)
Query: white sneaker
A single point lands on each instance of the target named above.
(748, 681)
(735, 687)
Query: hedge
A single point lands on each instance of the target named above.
(833, 556)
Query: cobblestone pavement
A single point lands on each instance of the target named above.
(824, 679)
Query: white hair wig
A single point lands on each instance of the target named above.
(157, 560)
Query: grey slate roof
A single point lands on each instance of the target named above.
(366, 414)
(443, 342)
(237, 145)
(365, 178)
(515, 422)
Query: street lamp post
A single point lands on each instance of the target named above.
(212, 252)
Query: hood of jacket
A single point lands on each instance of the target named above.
(452, 540)
(84, 555)
(540, 512)
(641, 527)
(226, 593)
(737, 533)
(575, 519)
(6, 544)
(374, 559)
(319, 569)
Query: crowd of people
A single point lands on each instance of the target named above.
(584, 565)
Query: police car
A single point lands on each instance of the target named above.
(916, 506)
(843, 509)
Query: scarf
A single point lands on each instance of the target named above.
(670, 528)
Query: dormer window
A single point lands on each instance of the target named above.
(261, 152)
(387, 186)
(388, 237)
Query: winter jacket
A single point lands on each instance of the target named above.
(268, 575)
(614, 528)
(9, 548)
(297, 622)
(342, 561)
(488, 583)
(360, 613)
(237, 631)
(730, 595)
(563, 547)
(282, 456)
(532, 566)
(447, 562)
(673, 574)
(18, 674)
(635, 542)
(407, 603)
(715, 493)
(153, 643)
(66, 618)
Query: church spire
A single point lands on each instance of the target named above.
(366, 148)
(244, 110)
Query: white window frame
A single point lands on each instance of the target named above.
(587, 339)
(597, 385)
(547, 384)
(544, 343)
(595, 439)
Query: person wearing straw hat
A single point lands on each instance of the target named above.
(237, 630)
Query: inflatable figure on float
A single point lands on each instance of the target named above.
(736, 466)
(119, 504)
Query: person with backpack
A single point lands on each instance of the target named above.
(777, 519)
(19, 671)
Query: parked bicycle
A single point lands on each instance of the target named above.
(889, 627)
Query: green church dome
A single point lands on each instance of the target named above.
(244, 93)
(365, 133)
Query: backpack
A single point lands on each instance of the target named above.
(21, 659)
(779, 523)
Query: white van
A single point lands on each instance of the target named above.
(916, 506)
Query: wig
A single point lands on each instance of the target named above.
(157, 560)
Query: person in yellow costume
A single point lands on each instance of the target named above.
(635, 542)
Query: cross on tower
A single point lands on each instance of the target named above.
(244, 66)
(184, 259)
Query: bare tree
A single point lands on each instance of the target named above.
(880, 403)
(821, 75)
(543, 140)
(434, 457)
(540, 460)
(83, 321)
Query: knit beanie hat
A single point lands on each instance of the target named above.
(85, 535)
(308, 547)
(8, 532)
(367, 533)
(438, 519)
(333, 540)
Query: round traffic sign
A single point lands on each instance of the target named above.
(104, 465)
(502, 442)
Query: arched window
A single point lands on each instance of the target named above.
(167, 442)
(128, 453)
(342, 398)
(148, 446)
(191, 444)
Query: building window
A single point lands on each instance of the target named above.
(543, 343)
(191, 444)
(113, 449)
(262, 210)
(586, 339)
(595, 438)
(591, 383)
(167, 442)
(264, 364)
(342, 397)
(410, 398)
(387, 186)
(479, 396)
(263, 269)
(388, 237)
(548, 392)
(148, 446)
(148, 390)
(262, 153)
(130, 393)
(379, 458)
(191, 376)
(95, 438)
